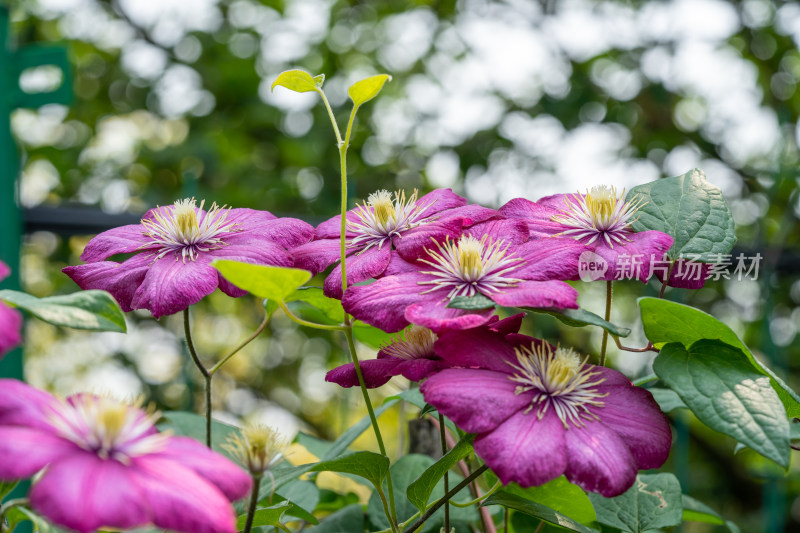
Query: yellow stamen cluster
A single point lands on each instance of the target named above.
(258, 448)
(382, 218)
(416, 342)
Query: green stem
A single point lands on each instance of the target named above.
(609, 291)
(251, 511)
(443, 438)
(213, 370)
(343, 146)
(666, 280)
(491, 491)
(505, 519)
(306, 323)
(6, 507)
(435, 507)
(203, 370)
(330, 115)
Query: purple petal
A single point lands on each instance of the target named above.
(476, 400)
(635, 416)
(550, 258)
(316, 256)
(538, 217)
(4, 270)
(418, 369)
(608, 377)
(508, 325)
(10, 326)
(468, 215)
(555, 294)
(248, 218)
(228, 477)
(476, 348)
(398, 265)
(23, 405)
(598, 460)
(376, 372)
(436, 316)
(360, 267)
(439, 200)
(413, 243)
(248, 249)
(524, 449)
(514, 232)
(332, 228)
(171, 286)
(120, 279)
(84, 493)
(685, 274)
(286, 232)
(121, 240)
(25, 451)
(181, 500)
(633, 259)
(383, 303)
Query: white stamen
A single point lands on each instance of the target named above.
(380, 219)
(415, 343)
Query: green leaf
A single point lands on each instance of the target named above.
(92, 310)
(282, 474)
(691, 210)
(6, 487)
(652, 502)
(263, 281)
(40, 525)
(720, 386)
(348, 437)
(371, 466)
(265, 516)
(537, 510)
(192, 425)
(370, 335)
(365, 90)
(304, 497)
(330, 307)
(667, 399)
(666, 321)
(298, 81)
(579, 318)
(420, 490)
(471, 303)
(697, 511)
(559, 495)
(350, 519)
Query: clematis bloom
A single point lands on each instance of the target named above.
(174, 247)
(106, 465)
(544, 412)
(10, 321)
(600, 218)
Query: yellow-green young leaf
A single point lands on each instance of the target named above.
(272, 283)
(367, 89)
(298, 81)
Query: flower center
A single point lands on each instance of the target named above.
(106, 427)
(258, 447)
(381, 218)
(600, 212)
(558, 379)
(179, 229)
(471, 266)
(415, 343)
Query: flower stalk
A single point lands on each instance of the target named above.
(609, 295)
(251, 510)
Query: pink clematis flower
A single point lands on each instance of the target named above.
(491, 259)
(383, 230)
(10, 321)
(174, 247)
(602, 219)
(105, 465)
(543, 412)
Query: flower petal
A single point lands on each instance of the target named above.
(538, 216)
(121, 240)
(23, 405)
(228, 477)
(84, 493)
(286, 232)
(383, 303)
(4, 270)
(686, 274)
(456, 392)
(514, 232)
(316, 256)
(120, 279)
(25, 451)
(171, 286)
(332, 228)
(524, 449)
(633, 259)
(508, 325)
(10, 326)
(598, 460)
(468, 214)
(248, 249)
(418, 369)
(550, 258)
(436, 316)
(555, 294)
(360, 267)
(376, 372)
(476, 348)
(439, 200)
(413, 243)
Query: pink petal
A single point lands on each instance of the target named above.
(685, 274)
(120, 279)
(376, 372)
(468, 215)
(4, 270)
(121, 240)
(413, 243)
(181, 500)
(598, 460)
(633, 259)
(524, 449)
(476, 348)
(514, 232)
(508, 325)
(25, 451)
(228, 477)
(84, 493)
(332, 228)
(316, 256)
(418, 369)
(248, 218)
(286, 232)
(398, 265)
(23, 405)
(436, 316)
(383, 303)
(538, 217)
(361, 266)
(556, 294)
(476, 400)
(248, 249)
(171, 286)
(10, 326)
(550, 258)
(439, 200)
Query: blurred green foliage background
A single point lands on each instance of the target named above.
(494, 99)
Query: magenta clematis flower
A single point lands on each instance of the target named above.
(602, 219)
(10, 321)
(491, 259)
(174, 247)
(105, 465)
(383, 230)
(411, 355)
(543, 412)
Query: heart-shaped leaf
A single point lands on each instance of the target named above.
(654, 501)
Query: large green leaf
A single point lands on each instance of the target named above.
(697, 511)
(578, 318)
(666, 321)
(667, 399)
(420, 490)
(542, 512)
(93, 310)
(559, 495)
(365, 90)
(304, 497)
(298, 81)
(263, 281)
(718, 383)
(652, 502)
(371, 466)
(193, 425)
(313, 296)
(349, 519)
(691, 210)
(265, 516)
